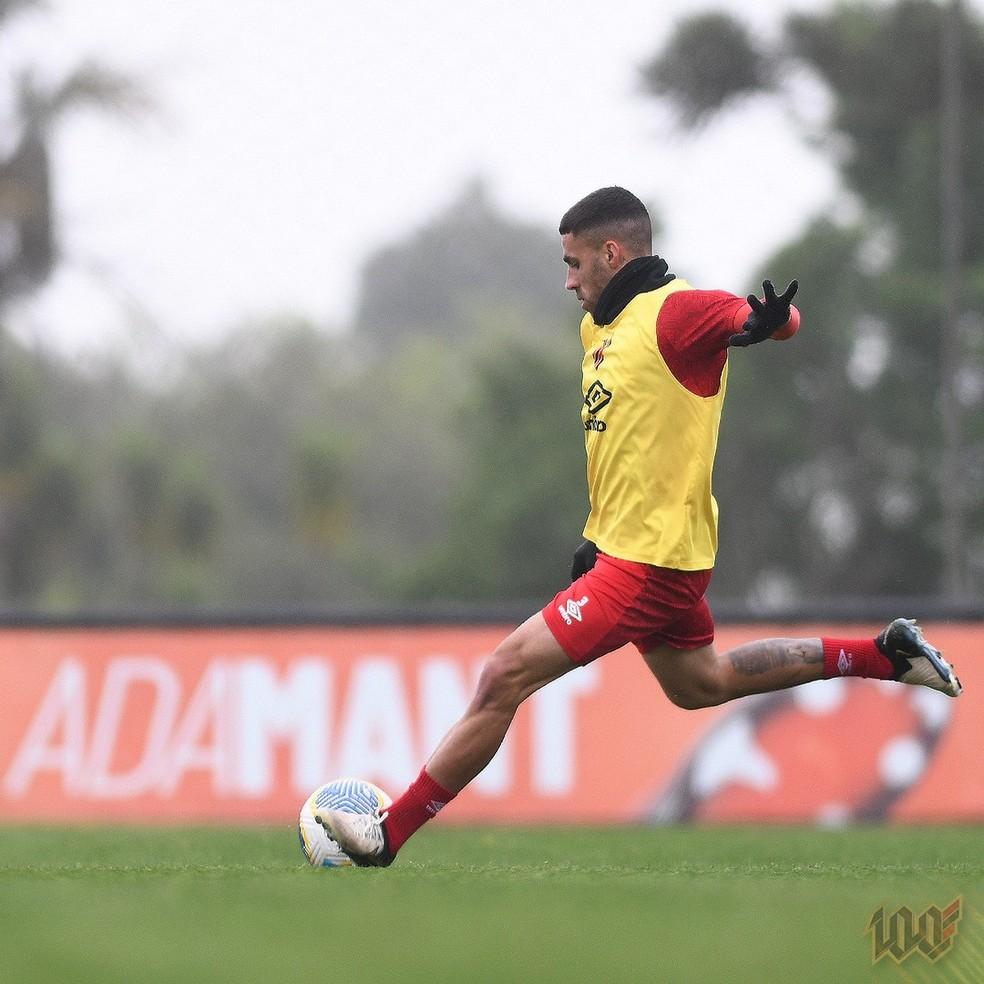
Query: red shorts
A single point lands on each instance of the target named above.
(621, 601)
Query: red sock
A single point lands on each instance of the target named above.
(423, 800)
(855, 657)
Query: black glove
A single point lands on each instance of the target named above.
(584, 559)
(767, 316)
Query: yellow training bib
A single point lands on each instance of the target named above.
(650, 444)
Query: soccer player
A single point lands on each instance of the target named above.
(653, 378)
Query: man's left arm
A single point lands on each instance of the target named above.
(771, 316)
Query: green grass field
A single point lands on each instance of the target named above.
(561, 904)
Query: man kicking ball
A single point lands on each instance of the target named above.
(653, 379)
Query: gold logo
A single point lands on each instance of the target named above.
(902, 933)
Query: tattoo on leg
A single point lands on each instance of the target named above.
(771, 654)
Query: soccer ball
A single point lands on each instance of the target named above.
(350, 795)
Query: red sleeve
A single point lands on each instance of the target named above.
(692, 331)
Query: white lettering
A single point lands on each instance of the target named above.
(150, 766)
(200, 741)
(247, 715)
(63, 707)
(298, 710)
(376, 736)
(554, 735)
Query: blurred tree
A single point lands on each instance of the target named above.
(830, 465)
(31, 111)
(521, 495)
(42, 479)
(264, 501)
(712, 61)
(287, 466)
(47, 527)
(472, 481)
(470, 255)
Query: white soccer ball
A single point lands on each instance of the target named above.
(350, 795)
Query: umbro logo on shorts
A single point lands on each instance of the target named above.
(571, 612)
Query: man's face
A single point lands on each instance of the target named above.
(589, 268)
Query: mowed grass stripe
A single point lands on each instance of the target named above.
(230, 904)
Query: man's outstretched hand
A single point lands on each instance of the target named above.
(767, 316)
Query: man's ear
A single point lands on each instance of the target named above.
(614, 256)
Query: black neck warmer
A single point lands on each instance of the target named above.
(638, 276)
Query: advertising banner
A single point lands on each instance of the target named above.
(186, 725)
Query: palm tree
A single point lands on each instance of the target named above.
(28, 234)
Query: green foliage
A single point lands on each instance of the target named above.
(887, 99)
(42, 483)
(288, 466)
(830, 461)
(710, 61)
(320, 485)
(262, 497)
(471, 482)
(470, 256)
(521, 495)
(435, 451)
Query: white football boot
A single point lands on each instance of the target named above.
(361, 836)
(915, 660)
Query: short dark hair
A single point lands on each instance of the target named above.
(613, 213)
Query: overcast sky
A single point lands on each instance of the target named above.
(293, 138)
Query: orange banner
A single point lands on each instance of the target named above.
(169, 725)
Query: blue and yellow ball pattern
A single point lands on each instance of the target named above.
(348, 794)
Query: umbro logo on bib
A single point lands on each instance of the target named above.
(597, 397)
